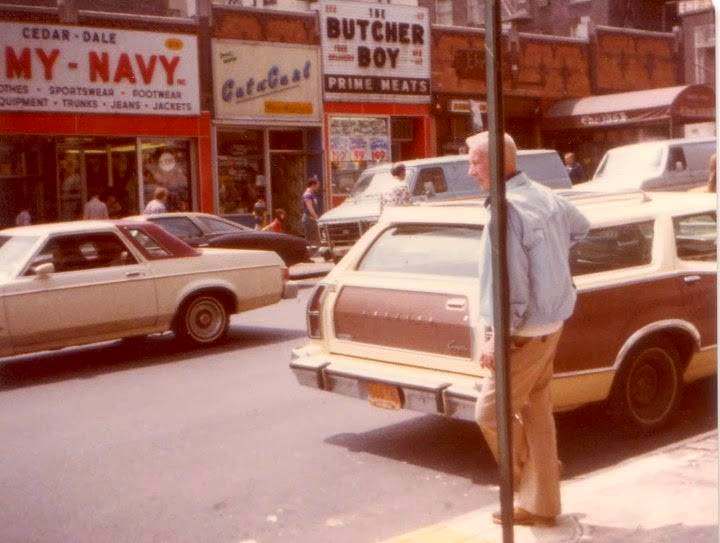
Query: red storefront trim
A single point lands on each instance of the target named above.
(69, 124)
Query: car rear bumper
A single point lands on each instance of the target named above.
(422, 390)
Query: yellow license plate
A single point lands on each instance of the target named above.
(385, 396)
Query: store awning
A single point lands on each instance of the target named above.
(683, 104)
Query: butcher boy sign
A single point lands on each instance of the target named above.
(97, 70)
(375, 52)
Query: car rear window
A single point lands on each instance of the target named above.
(696, 236)
(613, 248)
(450, 250)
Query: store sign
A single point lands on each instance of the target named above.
(356, 139)
(373, 53)
(604, 119)
(97, 70)
(266, 81)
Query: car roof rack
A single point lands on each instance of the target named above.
(586, 196)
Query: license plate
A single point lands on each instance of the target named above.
(385, 396)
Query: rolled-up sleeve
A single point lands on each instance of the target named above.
(578, 224)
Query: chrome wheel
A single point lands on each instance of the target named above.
(205, 320)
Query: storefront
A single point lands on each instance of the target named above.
(536, 69)
(376, 81)
(268, 121)
(112, 112)
(595, 124)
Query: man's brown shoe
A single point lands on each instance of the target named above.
(525, 518)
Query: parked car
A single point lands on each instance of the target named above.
(205, 230)
(86, 281)
(395, 322)
(676, 165)
(430, 179)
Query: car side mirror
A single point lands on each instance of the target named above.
(43, 270)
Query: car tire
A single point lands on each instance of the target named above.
(648, 387)
(202, 320)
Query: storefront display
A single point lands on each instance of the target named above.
(355, 144)
(102, 111)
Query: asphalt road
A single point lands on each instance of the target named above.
(145, 442)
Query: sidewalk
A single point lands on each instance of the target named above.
(669, 495)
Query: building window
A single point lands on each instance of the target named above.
(444, 12)
(476, 12)
(705, 53)
(161, 8)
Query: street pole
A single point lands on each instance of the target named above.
(498, 238)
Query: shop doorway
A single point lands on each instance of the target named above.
(96, 166)
(287, 171)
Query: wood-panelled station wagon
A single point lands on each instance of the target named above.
(87, 281)
(395, 323)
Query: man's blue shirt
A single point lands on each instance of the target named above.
(542, 227)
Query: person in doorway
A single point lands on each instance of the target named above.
(23, 218)
(159, 202)
(311, 210)
(574, 169)
(399, 194)
(541, 228)
(114, 207)
(278, 222)
(95, 209)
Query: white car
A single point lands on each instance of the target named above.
(88, 281)
(395, 323)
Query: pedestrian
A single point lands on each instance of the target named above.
(399, 194)
(259, 214)
(541, 229)
(114, 206)
(310, 211)
(574, 169)
(95, 208)
(159, 202)
(23, 218)
(278, 222)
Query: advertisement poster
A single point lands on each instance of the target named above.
(359, 139)
(95, 70)
(374, 52)
(266, 81)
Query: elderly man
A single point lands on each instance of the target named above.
(541, 229)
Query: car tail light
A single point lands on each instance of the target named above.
(314, 313)
(285, 274)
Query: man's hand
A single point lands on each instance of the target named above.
(487, 354)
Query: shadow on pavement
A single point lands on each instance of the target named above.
(91, 360)
(587, 440)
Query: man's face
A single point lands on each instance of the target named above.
(479, 167)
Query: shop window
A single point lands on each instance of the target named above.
(167, 164)
(241, 167)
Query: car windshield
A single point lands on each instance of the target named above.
(375, 183)
(14, 249)
(629, 163)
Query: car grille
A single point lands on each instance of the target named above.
(344, 233)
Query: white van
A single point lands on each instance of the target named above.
(675, 165)
(430, 179)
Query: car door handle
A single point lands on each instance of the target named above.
(133, 274)
(691, 279)
(455, 304)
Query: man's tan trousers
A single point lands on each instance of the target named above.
(535, 461)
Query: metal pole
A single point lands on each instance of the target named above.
(498, 235)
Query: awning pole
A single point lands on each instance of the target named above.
(498, 234)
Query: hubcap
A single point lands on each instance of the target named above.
(205, 319)
(652, 386)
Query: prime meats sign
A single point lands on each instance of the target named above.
(94, 70)
(375, 53)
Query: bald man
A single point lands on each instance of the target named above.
(541, 229)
